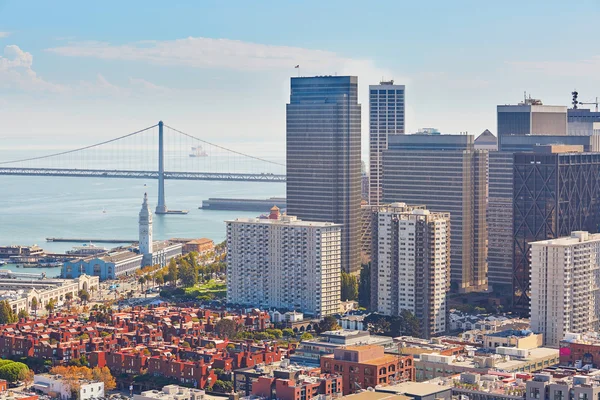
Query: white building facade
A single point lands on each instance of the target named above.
(565, 282)
(54, 384)
(284, 263)
(145, 228)
(411, 264)
(386, 115)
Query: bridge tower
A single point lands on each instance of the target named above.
(161, 207)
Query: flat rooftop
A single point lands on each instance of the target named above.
(414, 388)
(292, 222)
(368, 395)
(511, 332)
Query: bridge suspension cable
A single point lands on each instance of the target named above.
(78, 149)
(224, 148)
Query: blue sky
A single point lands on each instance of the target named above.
(77, 70)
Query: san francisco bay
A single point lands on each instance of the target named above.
(34, 208)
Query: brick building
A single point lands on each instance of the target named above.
(367, 366)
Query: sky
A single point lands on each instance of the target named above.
(76, 71)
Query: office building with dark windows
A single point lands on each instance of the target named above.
(583, 121)
(531, 117)
(500, 200)
(446, 174)
(323, 157)
(386, 116)
(556, 191)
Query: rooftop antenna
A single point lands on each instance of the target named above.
(575, 102)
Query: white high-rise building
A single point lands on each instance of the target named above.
(565, 282)
(411, 264)
(284, 263)
(386, 115)
(145, 228)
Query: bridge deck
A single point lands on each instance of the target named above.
(101, 173)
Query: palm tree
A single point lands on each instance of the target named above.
(141, 281)
(34, 305)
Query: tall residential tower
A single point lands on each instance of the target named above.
(410, 267)
(323, 157)
(565, 276)
(386, 115)
(283, 262)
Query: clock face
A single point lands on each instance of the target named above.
(144, 231)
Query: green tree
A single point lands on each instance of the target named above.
(35, 305)
(23, 314)
(14, 371)
(173, 274)
(159, 278)
(222, 386)
(226, 328)
(50, 306)
(288, 332)
(7, 315)
(84, 296)
(364, 286)
(306, 336)
(142, 281)
(329, 323)
(187, 273)
(349, 287)
(277, 333)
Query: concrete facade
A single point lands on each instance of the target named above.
(386, 116)
(410, 267)
(286, 263)
(565, 277)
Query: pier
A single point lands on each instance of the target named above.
(7, 274)
(84, 240)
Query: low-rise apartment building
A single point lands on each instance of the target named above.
(367, 366)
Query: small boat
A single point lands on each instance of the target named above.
(198, 151)
(2, 262)
(103, 211)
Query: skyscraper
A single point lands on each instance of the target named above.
(410, 267)
(564, 286)
(323, 156)
(386, 115)
(446, 174)
(531, 117)
(284, 263)
(500, 201)
(556, 191)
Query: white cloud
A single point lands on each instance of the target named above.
(587, 68)
(4, 34)
(142, 84)
(206, 53)
(16, 72)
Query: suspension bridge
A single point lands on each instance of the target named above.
(157, 152)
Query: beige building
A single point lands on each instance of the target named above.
(410, 268)
(21, 295)
(175, 392)
(509, 360)
(565, 276)
(520, 339)
(284, 263)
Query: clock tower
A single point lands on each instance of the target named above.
(145, 227)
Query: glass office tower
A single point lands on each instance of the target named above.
(556, 192)
(323, 157)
